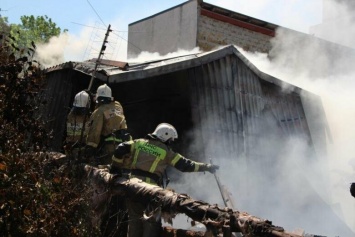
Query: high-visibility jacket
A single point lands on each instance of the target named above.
(153, 156)
(104, 122)
(76, 130)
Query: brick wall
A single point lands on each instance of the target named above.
(212, 33)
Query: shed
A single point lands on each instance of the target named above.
(222, 106)
(220, 88)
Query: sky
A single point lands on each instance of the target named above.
(87, 20)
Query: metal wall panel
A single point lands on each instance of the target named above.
(232, 107)
(59, 93)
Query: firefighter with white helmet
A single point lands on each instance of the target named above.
(77, 125)
(107, 127)
(147, 159)
(165, 132)
(103, 92)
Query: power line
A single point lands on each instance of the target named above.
(95, 27)
(111, 30)
(128, 41)
(96, 13)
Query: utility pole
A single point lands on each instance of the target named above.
(98, 60)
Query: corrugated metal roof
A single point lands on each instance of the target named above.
(135, 71)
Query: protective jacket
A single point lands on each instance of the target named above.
(105, 121)
(147, 158)
(77, 126)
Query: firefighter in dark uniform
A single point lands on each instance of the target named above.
(77, 126)
(107, 127)
(147, 159)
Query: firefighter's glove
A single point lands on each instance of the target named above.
(210, 168)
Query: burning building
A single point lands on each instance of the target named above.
(249, 122)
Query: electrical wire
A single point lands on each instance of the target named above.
(96, 13)
(94, 27)
(100, 28)
(127, 41)
(112, 30)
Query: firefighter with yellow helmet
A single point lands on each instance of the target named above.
(77, 125)
(147, 159)
(107, 127)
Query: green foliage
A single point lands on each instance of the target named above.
(38, 196)
(33, 29)
(4, 29)
(4, 25)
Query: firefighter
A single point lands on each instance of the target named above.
(77, 125)
(107, 127)
(147, 159)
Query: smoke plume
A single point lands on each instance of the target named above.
(300, 191)
(148, 56)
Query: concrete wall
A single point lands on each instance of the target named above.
(183, 27)
(212, 33)
(165, 32)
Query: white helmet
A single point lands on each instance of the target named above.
(165, 131)
(104, 91)
(82, 99)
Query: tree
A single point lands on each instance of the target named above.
(37, 198)
(4, 25)
(5, 49)
(33, 29)
(4, 29)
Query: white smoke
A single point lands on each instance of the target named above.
(329, 74)
(149, 56)
(303, 65)
(293, 14)
(62, 48)
(287, 197)
(337, 21)
(85, 45)
(52, 53)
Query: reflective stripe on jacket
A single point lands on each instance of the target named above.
(106, 119)
(152, 156)
(119, 136)
(75, 127)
